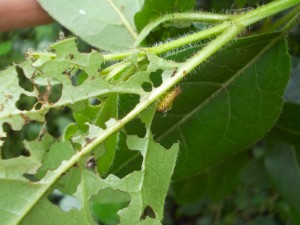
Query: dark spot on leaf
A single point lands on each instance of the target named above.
(156, 78)
(93, 78)
(44, 92)
(1, 107)
(71, 56)
(25, 118)
(148, 212)
(24, 82)
(8, 97)
(89, 140)
(41, 134)
(90, 163)
(26, 102)
(174, 72)
(147, 86)
(69, 71)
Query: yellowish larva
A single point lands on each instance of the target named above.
(167, 101)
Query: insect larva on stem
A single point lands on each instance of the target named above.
(168, 99)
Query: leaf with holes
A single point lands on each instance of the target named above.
(144, 190)
(53, 81)
(226, 105)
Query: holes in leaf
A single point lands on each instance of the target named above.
(106, 204)
(38, 106)
(50, 93)
(148, 212)
(57, 120)
(26, 102)
(55, 93)
(127, 102)
(13, 144)
(55, 197)
(136, 127)
(78, 78)
(156, 78)
(65, 202)
(94, 101)
(147, 86)
(126, 161)
(24, 82)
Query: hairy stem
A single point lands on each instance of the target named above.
(175, 17)
(231, 30)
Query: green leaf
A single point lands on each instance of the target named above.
(287, 128)
(225, 175)
(110, 109)
(216, 182)
(153, 9)
(46, 71)
(106, 24)
(226, 105)
(147, 188)
(283, 168)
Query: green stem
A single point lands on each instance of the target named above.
(294, 13)
(175, 17)
(264, 11)
(201, 35)
(188, 39)
(117, 56)
(233, 29)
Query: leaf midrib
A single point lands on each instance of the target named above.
(124, 20)
(223, 87)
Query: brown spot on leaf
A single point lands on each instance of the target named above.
(1, 107)
(44, 96)
(93, 78)
(42, 133)
(174, 72)
(25, 118)
(9, 97)
(89, 140)
(90, 163)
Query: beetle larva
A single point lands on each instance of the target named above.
(167, 101)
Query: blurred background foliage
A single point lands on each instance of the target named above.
(245, 191)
